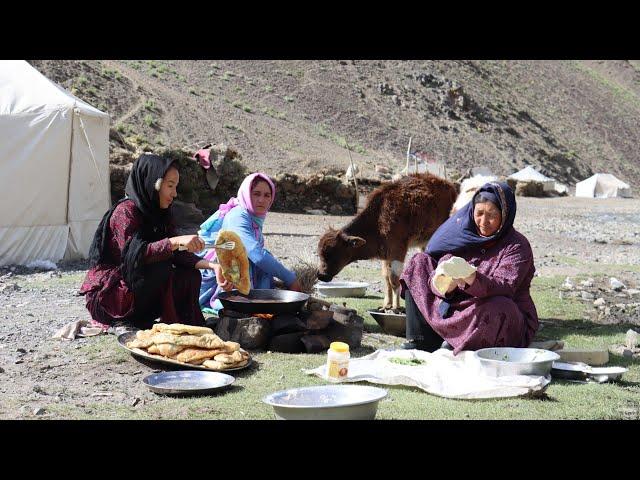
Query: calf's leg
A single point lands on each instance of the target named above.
(395, 271)
(388, 288)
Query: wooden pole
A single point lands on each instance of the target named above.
(408, 156)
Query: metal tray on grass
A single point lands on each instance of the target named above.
(137, 352)
(187, 382)
(582, 372)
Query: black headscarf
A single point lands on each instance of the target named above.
(141, 188)
(460, 233)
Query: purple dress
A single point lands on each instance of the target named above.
(110, 300)
(495, 311)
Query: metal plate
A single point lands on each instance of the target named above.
(187, 382)
(264, 301)
(136, 352)
(391, 323)
(583, 372)
(326, 402)
(342, 289)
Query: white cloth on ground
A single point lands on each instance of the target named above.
(79, 328)
(442, 374)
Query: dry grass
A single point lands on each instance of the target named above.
(307, 274)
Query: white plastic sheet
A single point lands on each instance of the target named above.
(442, 374)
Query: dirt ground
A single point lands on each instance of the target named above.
(569, 236)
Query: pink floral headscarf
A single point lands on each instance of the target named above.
(244, 200)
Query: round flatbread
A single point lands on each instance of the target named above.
(179, 328)
(234, 263)
(457, 267)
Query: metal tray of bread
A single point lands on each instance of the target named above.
(137, 352)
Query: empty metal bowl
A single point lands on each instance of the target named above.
(391, 323)
(501, 361)
(190, 382)
(342, 289)
(326, 402)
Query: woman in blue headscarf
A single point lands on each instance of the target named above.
(245, 215)
(492, 307)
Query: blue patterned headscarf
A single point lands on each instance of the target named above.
(460, 232)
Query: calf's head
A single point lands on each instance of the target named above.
(336, 249)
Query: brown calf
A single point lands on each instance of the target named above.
(397, 216)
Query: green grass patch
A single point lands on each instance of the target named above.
(617, 89)
(149, 104)
(545, 292)
(150, 121)
(274, 113)
(233, 127)
(338, 140)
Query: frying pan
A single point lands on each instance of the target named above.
(264, 301)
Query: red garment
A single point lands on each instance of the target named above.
(109, 299)
(497, 311)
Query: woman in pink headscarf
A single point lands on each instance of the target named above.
(245, 215)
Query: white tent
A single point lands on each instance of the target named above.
(54, 165)
(530, 174)
(602, 185)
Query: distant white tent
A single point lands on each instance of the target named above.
(530, 174)
(602, 185)
(54, 163)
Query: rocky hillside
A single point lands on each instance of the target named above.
(568, 118)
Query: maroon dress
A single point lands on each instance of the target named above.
(110, 300)
(495, 311)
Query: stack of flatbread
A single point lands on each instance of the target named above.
(189, 344)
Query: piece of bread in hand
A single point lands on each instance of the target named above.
(234, 263)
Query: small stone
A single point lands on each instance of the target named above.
(39, 411)
(627, 353)
(567, 285)
(19, 361)
(632, 291)
(587, 283)
(616, 284)
(21, 350)
(135, 402)
(588, 296)
(599, 302)
(1, 370)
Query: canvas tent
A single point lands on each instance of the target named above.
(602, 185)
(530, 174)
(54, 163)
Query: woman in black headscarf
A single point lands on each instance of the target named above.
(138, 269)
(491, 307)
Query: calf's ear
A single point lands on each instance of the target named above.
(356, 241)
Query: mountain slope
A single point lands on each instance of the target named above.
(568, 118)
